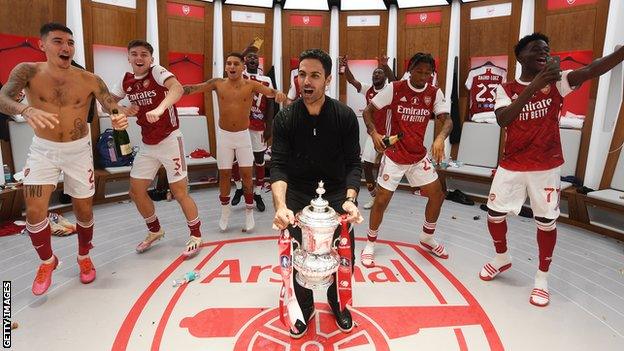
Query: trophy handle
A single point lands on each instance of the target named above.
(295, 242)
(335, 243)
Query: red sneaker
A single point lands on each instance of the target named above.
(43, 279)
(87, 271)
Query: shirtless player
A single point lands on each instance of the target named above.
(59, 97)
(235, 98)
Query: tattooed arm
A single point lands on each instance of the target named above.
(104, 96)
(109, 103)
(204, 87)
(18, 80)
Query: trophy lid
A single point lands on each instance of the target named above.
(318, 213)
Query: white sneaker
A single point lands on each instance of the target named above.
(367, 258)
(428, 242)
(150, 239)
(499, 264)
(369, 205)
(193, 245)
(225, 216)
(540, 296)
(249, 220)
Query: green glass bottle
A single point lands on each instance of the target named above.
(122, 140)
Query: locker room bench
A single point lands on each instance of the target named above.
(478, 153)
(604, 208)
(478, 150)
(113, 182)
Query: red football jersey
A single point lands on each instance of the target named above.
(382, 117)
(148, 92)
(294, 91)
(482, 84)
(260, 103)
(411, 110)
(532, 141)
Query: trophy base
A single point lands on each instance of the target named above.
(314, 284)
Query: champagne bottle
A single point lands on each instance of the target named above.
(122, 140)
(392, 139)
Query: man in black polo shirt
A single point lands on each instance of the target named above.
(315, 139)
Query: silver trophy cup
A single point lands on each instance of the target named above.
(315, 258)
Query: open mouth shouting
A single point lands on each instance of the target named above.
(541, 61)
(307, 92)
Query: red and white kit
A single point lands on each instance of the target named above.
(294, 91)
(532, 157)
(382, 123)
(482, 83)
(411, 110)
(162, 141)
(257, 115)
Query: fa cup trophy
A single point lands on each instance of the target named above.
(318, 257)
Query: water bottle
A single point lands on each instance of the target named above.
(7, 173)
(187, 277)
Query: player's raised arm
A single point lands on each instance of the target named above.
(204, 87)
(597, 68)
(344, 61)
(18, 80)
(269, 92)
(382, 62)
